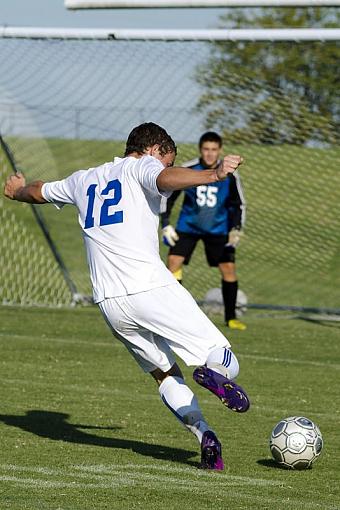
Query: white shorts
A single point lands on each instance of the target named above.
(157, 323)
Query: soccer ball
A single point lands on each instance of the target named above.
(241, 303)
(296, 442)
(213, 301)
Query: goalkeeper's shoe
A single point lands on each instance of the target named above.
(236, 324)
(230, 394)
(211, 452)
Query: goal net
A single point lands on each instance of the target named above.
(67, 105)
(28, 271)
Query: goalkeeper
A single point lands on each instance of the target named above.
(214, 213)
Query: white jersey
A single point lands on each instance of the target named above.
(118, 205)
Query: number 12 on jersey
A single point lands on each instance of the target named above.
(105, 218)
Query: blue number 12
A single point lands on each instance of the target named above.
(105, 217)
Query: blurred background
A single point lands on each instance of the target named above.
(67, 104)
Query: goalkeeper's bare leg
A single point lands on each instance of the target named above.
(175, 265)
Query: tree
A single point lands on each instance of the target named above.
(279, 92)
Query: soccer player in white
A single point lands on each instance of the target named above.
(143, 304)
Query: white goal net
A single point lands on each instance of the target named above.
(70, 104)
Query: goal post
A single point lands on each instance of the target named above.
(69, 102)
(121, 34)
(152, 4)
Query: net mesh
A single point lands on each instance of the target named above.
(68, 105)
(28, 272)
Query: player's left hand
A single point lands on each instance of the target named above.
(13, 183)
(230, 163)
(234, 237)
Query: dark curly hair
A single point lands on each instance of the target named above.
(145, 135)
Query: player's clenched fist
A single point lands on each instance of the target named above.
(229, 164)
(13, 183)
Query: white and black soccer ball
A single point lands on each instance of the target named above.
(214, 301)
(296, 442)
(241, 303)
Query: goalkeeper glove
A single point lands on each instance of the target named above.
(234, 237)
(170, 235)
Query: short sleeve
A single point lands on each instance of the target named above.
(148, 169)
(62, 192)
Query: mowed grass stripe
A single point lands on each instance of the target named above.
(277, 359)
(289, 503)
(52, 484)
(90, 388)
(88, 343)
(115, 344)
(197, 474)
(128, 397)
(137, 472)
(116, 480)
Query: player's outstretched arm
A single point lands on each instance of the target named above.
(16, 189)
(174, 178)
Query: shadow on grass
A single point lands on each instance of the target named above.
(55, 426)
(270, 463)
(329, 323)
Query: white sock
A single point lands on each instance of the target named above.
(181, 401)
(224, 362)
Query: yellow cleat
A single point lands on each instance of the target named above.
(236, 324)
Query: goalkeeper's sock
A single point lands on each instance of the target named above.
(181, 401)
(229, 292)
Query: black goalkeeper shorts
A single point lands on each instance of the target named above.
(215, 248)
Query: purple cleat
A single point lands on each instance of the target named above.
(230, 394)
(211, 452)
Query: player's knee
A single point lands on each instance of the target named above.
(224, 361)
(228, 271)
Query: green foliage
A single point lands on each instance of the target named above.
(279, 92)
(83, 428)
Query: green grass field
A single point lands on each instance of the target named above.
(83, 428)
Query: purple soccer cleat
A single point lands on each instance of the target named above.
(211, 452)
(230, 394)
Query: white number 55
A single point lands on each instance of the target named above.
(206, 195)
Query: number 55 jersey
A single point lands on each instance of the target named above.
(212, 209)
